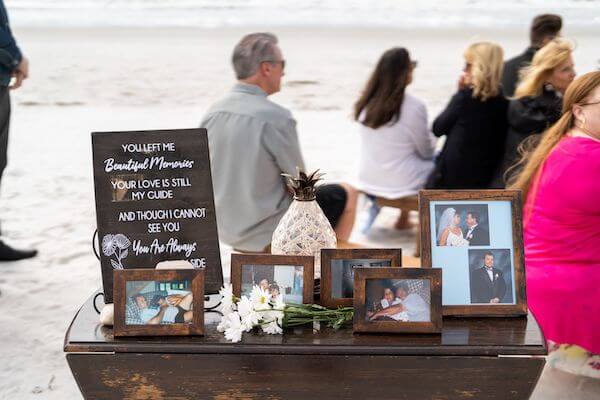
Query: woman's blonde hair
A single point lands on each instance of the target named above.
(533, 77)
(486, 61)
(533, 157)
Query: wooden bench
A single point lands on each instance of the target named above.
(473, 358)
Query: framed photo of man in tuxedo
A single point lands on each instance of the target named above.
(490, 276)
(476, 238)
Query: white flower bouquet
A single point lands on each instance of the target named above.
(260, 311)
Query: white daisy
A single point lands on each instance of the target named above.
(235, 328)
(260, 298)
(272, 328)
(250, 318)
(226, 293)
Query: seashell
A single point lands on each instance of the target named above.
(107, 315)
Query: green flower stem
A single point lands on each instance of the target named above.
(301, 314)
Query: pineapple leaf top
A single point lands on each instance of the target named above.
(303, 185)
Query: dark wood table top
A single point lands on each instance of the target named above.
(459, 337)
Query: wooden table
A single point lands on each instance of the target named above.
(496, 358)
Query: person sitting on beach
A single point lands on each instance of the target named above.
(170, 309)
(396, 146)
(474, 123)
(252, 141)
(538, 101)
(544, 28)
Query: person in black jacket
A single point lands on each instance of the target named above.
(475, 233)
(544, 28)
(537, 103)
(12, 65)
(487, 283)
(474, 123)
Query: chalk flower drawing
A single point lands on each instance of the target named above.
(115, 245)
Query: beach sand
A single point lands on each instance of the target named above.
(85, 80)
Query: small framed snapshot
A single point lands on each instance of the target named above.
(476, 238)
(337, 271)
(397, 300)
(150, 302)
(289, 278)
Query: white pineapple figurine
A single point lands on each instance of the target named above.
(304, 229)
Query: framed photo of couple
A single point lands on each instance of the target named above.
(150, 302)
(476, 238)
(288, 278)
(397, 300)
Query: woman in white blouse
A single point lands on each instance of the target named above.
(397, 148)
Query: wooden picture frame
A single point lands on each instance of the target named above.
(398, 276)
(238, 261)
(329, 255)
(496, 244)
(125, 309)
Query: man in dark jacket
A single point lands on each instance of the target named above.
(476, 234)
(487, 282)
(544, 28)
(12, 65)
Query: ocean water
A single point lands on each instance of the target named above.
(232, 13)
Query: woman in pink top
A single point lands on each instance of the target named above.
(561, 184)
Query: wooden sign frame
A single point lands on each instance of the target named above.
(329, 255)
(518, 265)
(154, 202)
(307, 262)
(361, 275)
(196, 277)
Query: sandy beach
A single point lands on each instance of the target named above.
(95, 79)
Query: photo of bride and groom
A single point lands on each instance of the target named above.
(462, 225)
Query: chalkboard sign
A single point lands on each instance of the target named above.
(154, 202)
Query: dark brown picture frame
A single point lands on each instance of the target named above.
(362, 274)
(328, 255)
(518, 262)
(121, 277)
(307, 262)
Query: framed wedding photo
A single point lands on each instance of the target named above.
(476, 238)
(288, 278)
(398, 300)
(150, 302)
(337, 271)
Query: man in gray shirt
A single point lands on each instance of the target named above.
(252, 142)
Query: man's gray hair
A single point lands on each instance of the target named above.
(252, 50)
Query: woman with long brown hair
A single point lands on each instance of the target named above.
(396, 152)
(560, 181)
